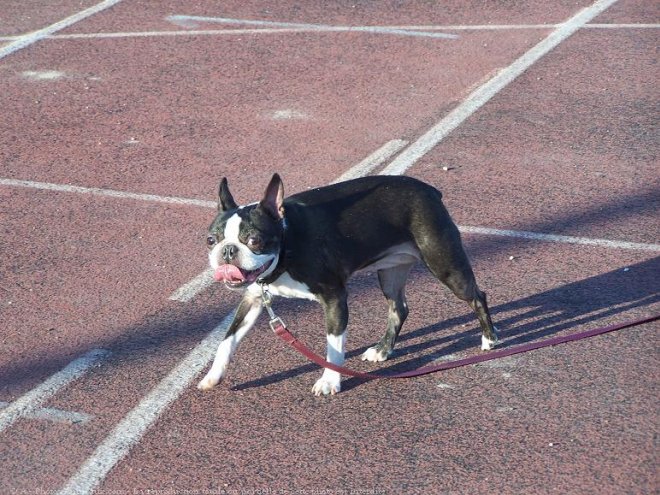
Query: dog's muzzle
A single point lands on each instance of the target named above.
(235, 276)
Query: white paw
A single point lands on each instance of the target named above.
(488, 344)
(374, 355)
(326, 386)
(208, 382)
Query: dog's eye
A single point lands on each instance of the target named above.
(211, 240)
(253, 242)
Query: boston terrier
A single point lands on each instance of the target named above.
(309, 244)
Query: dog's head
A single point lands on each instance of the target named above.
(245, 241)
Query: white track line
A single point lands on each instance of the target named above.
(512, 27)
(623, 26)
(235, 32)
(30, 402)
(30, 38)
(190, 289)
(130, 430)
(196, 32)
(565, 239)
(484, 93)
(373, 161)
(52, 414)
(95, 191)
(192, 21)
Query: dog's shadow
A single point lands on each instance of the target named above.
(531, 318)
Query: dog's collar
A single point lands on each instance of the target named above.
(281, 265)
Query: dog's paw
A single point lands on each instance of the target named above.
(326, 386)
(208, 382)
(487, 344)
(374, 355)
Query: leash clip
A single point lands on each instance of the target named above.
(267, 300)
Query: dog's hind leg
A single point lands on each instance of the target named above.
(393, 283)
(247, 313)
(446, 259)
(466, 289)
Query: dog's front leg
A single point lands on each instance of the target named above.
(246, 315)
(336, 319)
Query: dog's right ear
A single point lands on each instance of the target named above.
(225, 199)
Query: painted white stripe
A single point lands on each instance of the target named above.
(200, 32)
(30, 402)
(588, 241)
(623, 26)
(512, 27)
(130, 430)
(189, 290)
(477, 27)
(234, 32)
(60, 416)
(192, 21)
(47, 186)
(52, 414)
(374, 160)
(485, 92)
(31, 38)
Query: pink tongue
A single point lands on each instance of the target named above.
(228, 273)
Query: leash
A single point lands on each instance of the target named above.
(279, 328)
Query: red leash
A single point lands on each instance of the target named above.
(278, 326)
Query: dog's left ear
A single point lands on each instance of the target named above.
(274, 197)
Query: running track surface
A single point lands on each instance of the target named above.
(538, 123)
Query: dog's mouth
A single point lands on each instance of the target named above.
(234, 276)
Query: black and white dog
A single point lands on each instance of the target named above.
(308, 245)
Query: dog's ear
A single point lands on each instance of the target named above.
(274, 197)
(225, 199)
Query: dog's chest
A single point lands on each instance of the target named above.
(285, 286)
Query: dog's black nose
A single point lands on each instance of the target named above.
(229, 252)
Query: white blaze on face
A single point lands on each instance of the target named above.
(232, 228)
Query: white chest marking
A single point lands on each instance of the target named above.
(285, 286)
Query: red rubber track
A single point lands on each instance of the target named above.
(570, 148)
